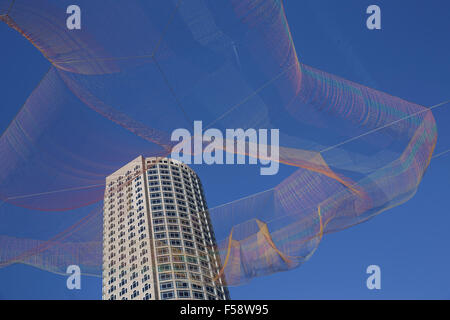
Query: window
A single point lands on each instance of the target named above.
(174, 234)
(142, 236)
(165, 276)
(167, 295)
(179, 266)
(146, 287)
(160, 235)
(135, 294)
(176, 250)
(187, 236)
(197, 287)
(192, 259)
(123, 282)
(157, 214)
(162, 251)
(189, 244)
(163, 259)
(148, 296)
(161, 243)
(182, 285)
(183, 294)
(180, 275)
(195, 277)
(193, 268)
(123, 291)
(164, 267)
(199, 240)
(186, 229)
(197, 295)
(178, 258)
(166, 285)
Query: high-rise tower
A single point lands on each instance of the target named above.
(158, 241)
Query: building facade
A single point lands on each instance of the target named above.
(158, 241)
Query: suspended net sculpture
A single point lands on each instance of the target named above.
(138, 70)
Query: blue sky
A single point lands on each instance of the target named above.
(407, 58)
